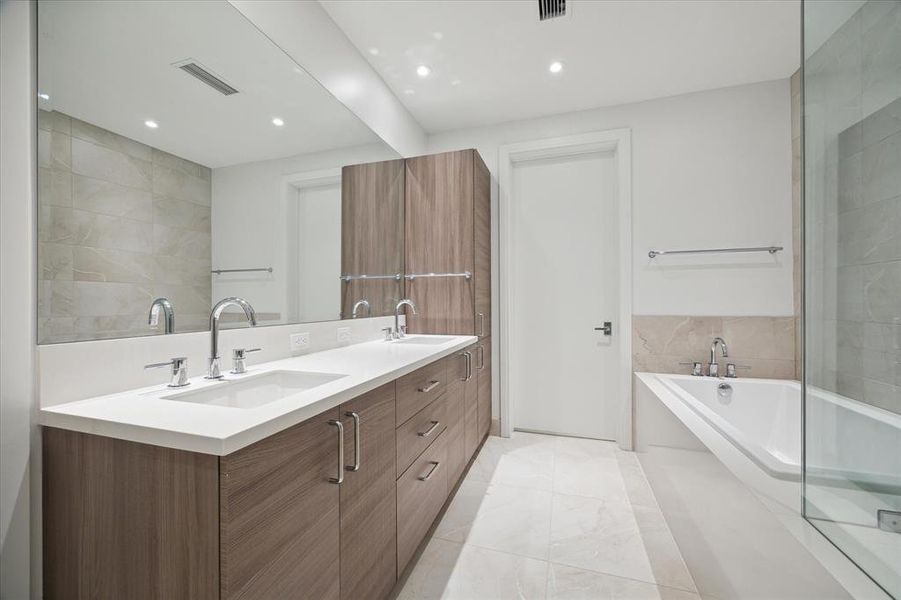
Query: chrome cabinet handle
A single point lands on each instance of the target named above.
(340, 478)
(357, 449)
(430, 387)
(430, 430)
(435, 464)
(481, 324)
(481, 357)
(468, 356)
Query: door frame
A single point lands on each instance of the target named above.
(619, 143)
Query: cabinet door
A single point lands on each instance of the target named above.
(482, 232)
(372, 234)
(368, 497)
(471, 436)
(483, 368)
(278, 515)
(455, 410)
(439, 239)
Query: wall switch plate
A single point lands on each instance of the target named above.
(344, 334)
(300, 341)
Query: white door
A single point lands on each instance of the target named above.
(563, 369)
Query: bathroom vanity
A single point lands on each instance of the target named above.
(326, 490)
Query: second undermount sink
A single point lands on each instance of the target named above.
(422, 340)
(256, 390)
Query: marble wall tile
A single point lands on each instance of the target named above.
(55, 261)
(108, 198)
(178, 184)
(98, 266)
(880, 173)
(54, 187)
(180, 164)
(882, 292)
(103, 163)
(882, 123)
(661, 344)
(880, 60)
(103, 137)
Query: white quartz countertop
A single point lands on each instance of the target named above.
(144, 415)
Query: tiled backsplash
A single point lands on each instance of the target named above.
(765, 344)
(121, 223)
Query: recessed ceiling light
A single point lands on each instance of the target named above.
(556, 67)
(44, 96)
(151, 124)
(278, 122)
(409, 91)
(423, 71)
(456, 82)
(374, 51)
(438, 35)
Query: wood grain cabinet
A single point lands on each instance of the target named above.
(448, 230)
(368, 503)
(483, 372)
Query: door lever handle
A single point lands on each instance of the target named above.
(607, 328)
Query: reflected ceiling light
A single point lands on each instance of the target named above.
(456, 82)
(277, 122)
(423, 71)
(409, 91)
(555, 67)
(43, 96)
(438, 35)
(374, 51)
(151, 124)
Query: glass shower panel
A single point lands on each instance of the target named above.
(852, 249)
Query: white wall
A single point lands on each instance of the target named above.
(19, 501)
(319, 253)
(249, 221)
(710, 169)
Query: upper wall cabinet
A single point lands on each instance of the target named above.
(183, 155)
(448, 243)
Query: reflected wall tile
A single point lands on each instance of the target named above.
(185, 298)
(108, 198)
(169, 241)
(54, 121)
(879, 168)
(56, 329)
(882, 123)
(884, 395)
(56, 224)
(98, 264)
(881, 61)
(180, 214)
(850, 185)
(54, 150)
(54, 187)
(178, 184)
(55, 261)
(849, 294)
(112, 233)
(104, 299)
(881, 291)
(189, 271)
(179, 164)
(109, 165)
(884, 337)
(58, 299)
(113, 141)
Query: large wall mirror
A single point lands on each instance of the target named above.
(183, 155)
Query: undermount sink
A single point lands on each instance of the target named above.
(257, 390)
(424, 341)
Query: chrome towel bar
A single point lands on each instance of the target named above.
(395, 277)
(220, 271)
(770, 249)
(412, 276)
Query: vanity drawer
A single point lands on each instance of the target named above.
(418, 432)
(421, 493)
(419, 388)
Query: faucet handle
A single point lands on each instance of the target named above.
(696, 368)
(731, 370)
(387, 331)
(179, 366)
(241, 352)
(238, 356)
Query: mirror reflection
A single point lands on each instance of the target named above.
(184, 158)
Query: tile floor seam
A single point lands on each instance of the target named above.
(614, 575)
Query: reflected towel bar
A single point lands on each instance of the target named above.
(770, 249)
(346, 278)
(464, 274)
(220, 271)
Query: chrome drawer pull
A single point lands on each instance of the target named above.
(481, 357)
(430, 387)
(430, 430)
(481, 325)
(435, 464)
(340, 478)
(468, 356)
(357, 450)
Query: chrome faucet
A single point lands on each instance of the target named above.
(361, 304)
(168, 314)
(214, 372)
(713, 369)
(399, 331)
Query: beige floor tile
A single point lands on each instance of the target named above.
(569, 583)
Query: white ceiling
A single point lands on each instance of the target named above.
(490, 58)
(110, 63)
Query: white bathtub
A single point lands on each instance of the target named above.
(761, 420)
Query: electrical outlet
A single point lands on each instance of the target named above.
(344, 334)
(300, 341)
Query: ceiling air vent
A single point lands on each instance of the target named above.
(551, 9)
(198, 71)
